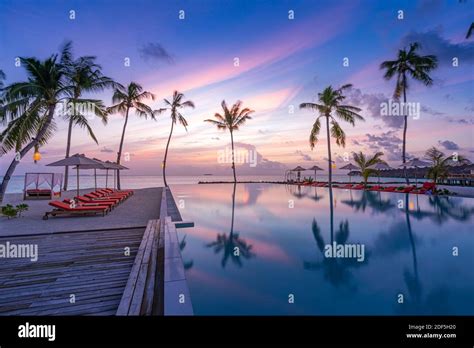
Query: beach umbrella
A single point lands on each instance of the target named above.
(350, 167)
(298, 169)
(415, 163)
(98, 165)
(112, 166)
(78, 160)
(315, 168)
(381, 166)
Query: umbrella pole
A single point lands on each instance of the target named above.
(107, 178)
(95, 179)
(115, 182)
(77, 180)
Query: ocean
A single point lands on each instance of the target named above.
(137, 181)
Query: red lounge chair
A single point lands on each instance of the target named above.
(427, 186)
(114, 194)
(96, 195)
(407, 189)
(376, 188)
(358, 187)
(126, 192)
(85, 202)
(389, 189)
(63, 209)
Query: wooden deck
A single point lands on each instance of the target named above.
(92, 266)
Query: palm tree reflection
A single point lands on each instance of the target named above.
(370, 199)
(444, 209)
(336, 270)
(187, 264)
(233, 247)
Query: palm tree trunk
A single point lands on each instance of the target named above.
(233, 155)
(166, 154)
(329, 152)
(68, 149)
(119, 153)
(330, 181)
(25, 150)
(405, 125)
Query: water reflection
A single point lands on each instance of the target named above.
(370, 199)
(444, 209)
(336, 270)
(186, 263)
(231, 244)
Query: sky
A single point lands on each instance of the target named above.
(287, 52)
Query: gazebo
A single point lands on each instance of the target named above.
(42, 185)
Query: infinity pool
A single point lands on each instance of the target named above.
(271, 250)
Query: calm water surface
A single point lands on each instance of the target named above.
(281, 233)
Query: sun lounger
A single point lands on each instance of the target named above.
(376, 188)
(83, 199)
(96, 195)
(85, 202)
(428, 187)
(64, 209)
(407, 189)
(346, 186)
(358, 187)
(389, 189)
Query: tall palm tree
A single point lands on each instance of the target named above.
(330, 104)
(409, 64)
(365, 163)
(30, 105)
(84, 75)
(439, 163)
(2, 77)
(232, 119)
(175, 106)
(126, 98)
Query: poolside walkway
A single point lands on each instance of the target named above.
(80, 273)
(144, 205)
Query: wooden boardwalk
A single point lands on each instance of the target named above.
(91, 267)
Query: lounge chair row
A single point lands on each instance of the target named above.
(427, 187)
(97, 202)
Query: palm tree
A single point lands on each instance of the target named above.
(330, 104)
(30, 105)
(439, 163)
(231, 120)
(2, 77)
(126, 98)
(365, 163)
(408, 64)
(84, 75)
(175, 106)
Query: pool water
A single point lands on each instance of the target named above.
(267, 249)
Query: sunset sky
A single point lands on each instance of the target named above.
(282, 62)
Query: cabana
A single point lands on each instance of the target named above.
(42, 185)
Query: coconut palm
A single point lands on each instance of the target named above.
(232, 119)
(330, 104)
(175, 107)
(2, 77)
(439, 163)
(84, 75)
(365, 163)
(126, 98)
(409, 64)
(30, 105)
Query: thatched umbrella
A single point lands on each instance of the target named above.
(381, 166)
(78, 160)
(349, 167)
(315, 168)
(298, 169)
